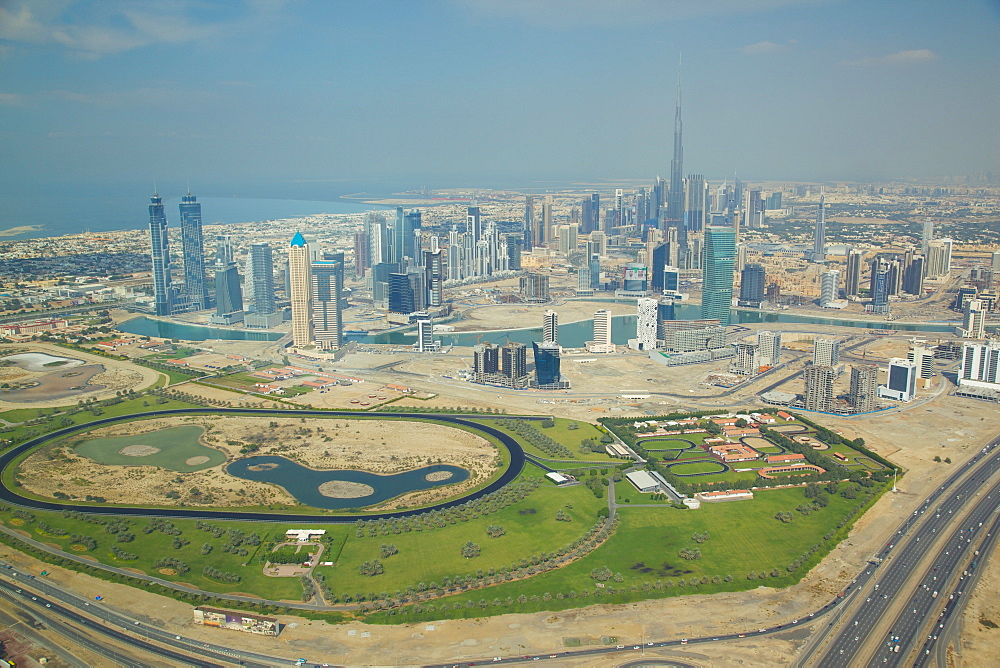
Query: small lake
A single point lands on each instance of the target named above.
(304, 483)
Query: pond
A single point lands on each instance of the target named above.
(342, 488)
(174, 448)
(40, 361)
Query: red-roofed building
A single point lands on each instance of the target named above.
(785, 416)
(785, 457)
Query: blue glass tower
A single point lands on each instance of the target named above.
(547, 371)
(159, 251)
(717, 288)
(194, 253)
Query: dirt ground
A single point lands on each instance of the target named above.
(980, 636)
(117, 376)
(369, 445)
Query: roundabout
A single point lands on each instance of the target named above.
(326, 505)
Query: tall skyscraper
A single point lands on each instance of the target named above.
(545, 228)
(696, 203)
(675, 196)
(826, 351)
(159, 251)
(228, 295)
(717, 286)
(299, 290)
(880, 286)
(864, 388)
(901, 383)
(550, 327)
(852, 279)
(753, 279)
(819, 387)
(819, 236)
(602, 334)
(474, 222)
(529, 222)
(829, 287)
(927, 235)
(646, 323)
(326, 282)
(260, 278)
(362, 253)
(224, 254)
(194, 253)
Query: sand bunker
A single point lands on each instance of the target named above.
(438, 476)
(341, 489)
(140, 451)
(195, 461)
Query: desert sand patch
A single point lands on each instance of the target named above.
(342, 489)
(438, 476)
(140, 451)
(195, 461)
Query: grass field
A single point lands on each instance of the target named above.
(690, 468)
(530, 528)
(743, 537)
(176, 445)
(149, 548)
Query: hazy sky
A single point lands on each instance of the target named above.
(474, 92)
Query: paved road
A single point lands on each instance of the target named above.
(893, 565)
(97, 618)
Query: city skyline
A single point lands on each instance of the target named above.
(85, 83)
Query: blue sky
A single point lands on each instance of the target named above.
(493, 92)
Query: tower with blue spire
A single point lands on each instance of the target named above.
(300, 293)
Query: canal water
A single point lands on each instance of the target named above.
(571, 335)
(304, 483)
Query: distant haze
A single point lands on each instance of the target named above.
(263, 99)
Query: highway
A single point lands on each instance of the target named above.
(96, 618)
(891, 568)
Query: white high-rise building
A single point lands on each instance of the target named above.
(550, 327)
(980, 365)
(425, 336)
(747, 361)
(938, 258)
(602, 334)
(769, 348)
(901, 384)
(647, 310)
(974, 320)
(826, 352)
(923, 357)
(829, 287)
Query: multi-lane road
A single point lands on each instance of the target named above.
(889, 611)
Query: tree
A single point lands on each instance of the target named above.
(470, 550)
(690, 553)
(387, 550)
(495, 531)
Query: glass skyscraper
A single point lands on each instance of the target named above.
(194, 253)
(720, 259)
(159, 251)
(260, 278)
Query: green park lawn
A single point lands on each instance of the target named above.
(563, 434)
(430, 555)
(149, 548)
(743, 537)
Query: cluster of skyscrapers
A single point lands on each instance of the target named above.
(196, 292)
